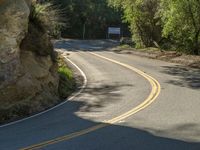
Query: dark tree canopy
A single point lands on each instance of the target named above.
(89, 16)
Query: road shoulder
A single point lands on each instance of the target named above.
(168, 56)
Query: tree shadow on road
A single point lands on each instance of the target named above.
(117, 137)
(64, 120)
(183, 76)
(106, 94)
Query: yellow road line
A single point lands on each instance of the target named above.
(153, 95)
(155, 91)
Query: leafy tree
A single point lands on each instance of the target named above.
(141, 16)
(181, 23)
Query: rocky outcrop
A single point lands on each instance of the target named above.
(28, 80)
(14, 24)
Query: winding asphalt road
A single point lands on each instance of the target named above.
(129, 103)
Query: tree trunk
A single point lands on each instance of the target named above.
(84, 30)
(196, 47)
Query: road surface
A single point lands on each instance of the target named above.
(129, 103)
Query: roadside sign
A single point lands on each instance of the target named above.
(113, 30)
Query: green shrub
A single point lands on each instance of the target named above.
(64, 71)
(67, 82)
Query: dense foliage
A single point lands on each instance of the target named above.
(175, 22)
(140, 14)
(88, 18)
(181, 23)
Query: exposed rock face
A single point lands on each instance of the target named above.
(14, 24)
(28, 82)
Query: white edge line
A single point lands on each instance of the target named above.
(68, 99)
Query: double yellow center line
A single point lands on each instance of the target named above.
(155, 91)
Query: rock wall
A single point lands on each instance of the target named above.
(13, 26)
(28, 81)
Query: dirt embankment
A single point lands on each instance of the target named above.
(154, 53)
